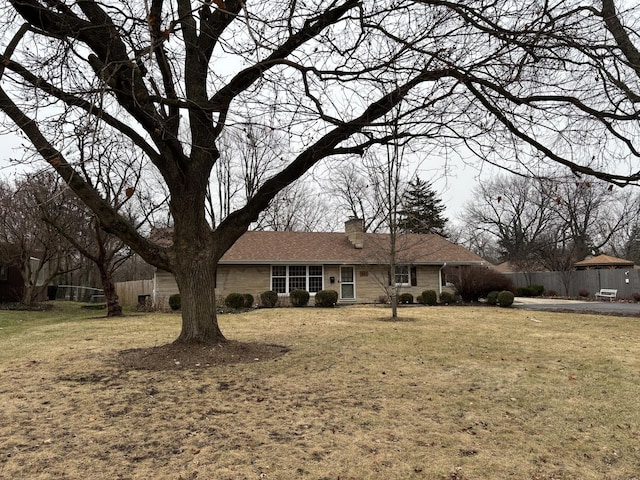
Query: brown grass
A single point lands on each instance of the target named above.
(454, 393)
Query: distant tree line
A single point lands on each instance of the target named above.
(550, 222)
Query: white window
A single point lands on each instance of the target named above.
(402, 275)
(285, 278)
(279, 279)
(315, 278)
(297, 278)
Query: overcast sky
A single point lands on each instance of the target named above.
(8, 148)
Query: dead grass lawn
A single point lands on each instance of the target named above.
(449, 393)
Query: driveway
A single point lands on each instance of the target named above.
(580, 306)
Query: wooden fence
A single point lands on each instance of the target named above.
(128, 292)
(626, 281)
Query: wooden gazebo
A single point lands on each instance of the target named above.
(603, 262)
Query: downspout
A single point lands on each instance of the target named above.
(440, 278)
(155, 287)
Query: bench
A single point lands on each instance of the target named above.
(609, 293)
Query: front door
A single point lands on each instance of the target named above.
(347, 283)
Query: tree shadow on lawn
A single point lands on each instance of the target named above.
(175, 356)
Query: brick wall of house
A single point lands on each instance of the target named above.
(255, 279)
(370, 280)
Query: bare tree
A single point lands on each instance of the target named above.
(626, 244)
(120, 183)
(549, 222)
(591, 214)
(249, 154)
(133, 268)
(172, 75)
(61, 209)
(252, 153)
(386, 175)
(352, 186)
(297, 208)
(516, 212)
(28, 243)
(389, 191)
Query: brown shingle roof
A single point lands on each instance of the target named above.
(280, 247)
(268, 247)
(603, 260)
(505, 267)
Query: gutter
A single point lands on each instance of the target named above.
(440, 277)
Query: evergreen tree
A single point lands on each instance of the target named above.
(421, 209)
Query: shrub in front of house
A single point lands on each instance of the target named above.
(584, 293)
(235, 301)
(268, 299)
(382, 299)
(174, 302)
(492, 298)
(429, 297)
(530, 291)
(299, 298)
(536, 290)
(447, 298)
(405, 298)
(326, 298)
(473, 281)
(505, 298)
(248, 300)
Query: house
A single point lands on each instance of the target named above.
(506, 267)
(525, 266)
(604, 262)
(12, 284)
(353, 263)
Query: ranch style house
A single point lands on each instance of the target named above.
(353, 263)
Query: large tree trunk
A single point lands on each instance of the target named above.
(114, 309)
(28, 293)
(196, 282)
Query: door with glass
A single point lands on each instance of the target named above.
(347, 283)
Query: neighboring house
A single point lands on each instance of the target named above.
(524, 266)
(354, 263)
(506, 267)
(604, 262)
(12, 283)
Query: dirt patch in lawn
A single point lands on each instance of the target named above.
(176, 356)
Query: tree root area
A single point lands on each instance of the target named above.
(176, 356)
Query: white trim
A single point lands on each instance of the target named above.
(353, 282)
(396, 275)
(287, 277)
(440, 274)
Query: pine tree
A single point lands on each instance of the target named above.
(421, 209)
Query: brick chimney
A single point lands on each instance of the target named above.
(354, 228)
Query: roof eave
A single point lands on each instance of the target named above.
(344, 262)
